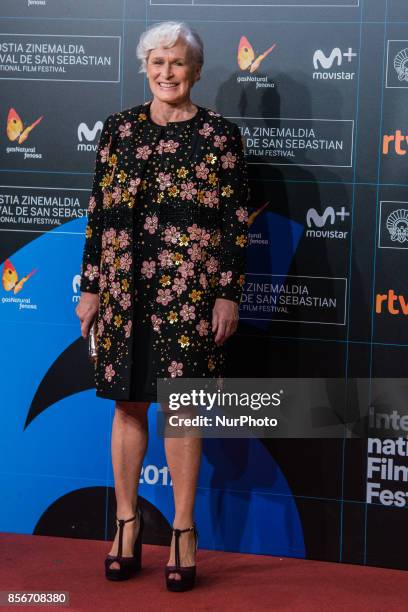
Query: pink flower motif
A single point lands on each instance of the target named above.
(110, 235)
(128, 328)
(211, 198)
(242, 214)
(206, 130)
(219, 142)
(133, 185)
(125, 301)
(156, 322)
(188, 190)
(186, 269)
(124, 129)
(109, 372)
(109, 255)
(194, 232)
(102, 282)
(91, 205)
(226, 278)
(108, 314)
(179, 285)
(164, 296)
(164, 180)
(148, 268)
(112, 273)
(91, 272)
(143, 152)
(104, 153)
(205, 238)
(115, 289)
(228, 160)
(187, 312)
(202, 171)
(212, 265)
(175, 369)
(101, 327)
(202, 327)
(123, 239)
(167, 146)
(116, 194)
(195, 252)
(151, 224)
(213, 113)
(171, 234)
(125, 262)
(165, 259)
(203, 280)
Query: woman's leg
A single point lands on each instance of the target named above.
(128, 445)
(183, 458)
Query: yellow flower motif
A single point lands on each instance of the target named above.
(212, 178)
(227, 191)
(211, 158)
(182, 172)
(117, 319)
(115, 243)
(131, 202)
(213, 280)
(184, 341)
(116, 263)
(160, 197)
(195, 295)
(183, 240)
(142, 117)
(200, 196)
(143, 184)
(88, 232)
(122, 176)
(177, 258)
(107, 343)
(107, 199)
(125, 195)
(173, 191)
(125, 284)
(113, 160)
(165, 280)
(240, 240)
(106, 298)
(106, 180)
(211, 364)
(172, 316)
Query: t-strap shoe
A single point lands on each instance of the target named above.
(187, 573)
(128, 565)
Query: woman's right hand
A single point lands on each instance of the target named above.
(86, 310)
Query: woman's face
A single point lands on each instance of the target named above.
(172, 73)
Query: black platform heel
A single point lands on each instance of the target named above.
(128, 565)
(188, 573)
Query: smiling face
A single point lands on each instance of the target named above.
(172, 73)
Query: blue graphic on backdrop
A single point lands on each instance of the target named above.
(241, 492)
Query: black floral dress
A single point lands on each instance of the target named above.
(173, 322)
(166, 236)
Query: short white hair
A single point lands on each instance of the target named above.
(166, 34)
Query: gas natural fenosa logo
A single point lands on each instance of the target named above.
(250, 61)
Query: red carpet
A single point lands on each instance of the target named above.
(227, 581)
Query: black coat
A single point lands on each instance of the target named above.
(204, 206)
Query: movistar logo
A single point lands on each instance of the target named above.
(314, 219)
(320, 220)
(335, 58)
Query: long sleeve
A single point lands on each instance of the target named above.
(234, 198)
(104, 165)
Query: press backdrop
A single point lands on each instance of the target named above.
(324, 120)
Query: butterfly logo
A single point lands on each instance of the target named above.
(15, 127)
(246, 55)
(10, 277)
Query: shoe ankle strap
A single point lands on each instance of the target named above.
(122, 521)
(177, 533)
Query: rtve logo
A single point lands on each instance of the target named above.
(395, 304)
(395, 143)
(320, 59)
(88, 134)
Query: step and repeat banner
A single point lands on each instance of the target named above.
(319, 89)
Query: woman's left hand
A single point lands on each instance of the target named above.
(224, 319)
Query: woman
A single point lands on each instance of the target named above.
(163, 271)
